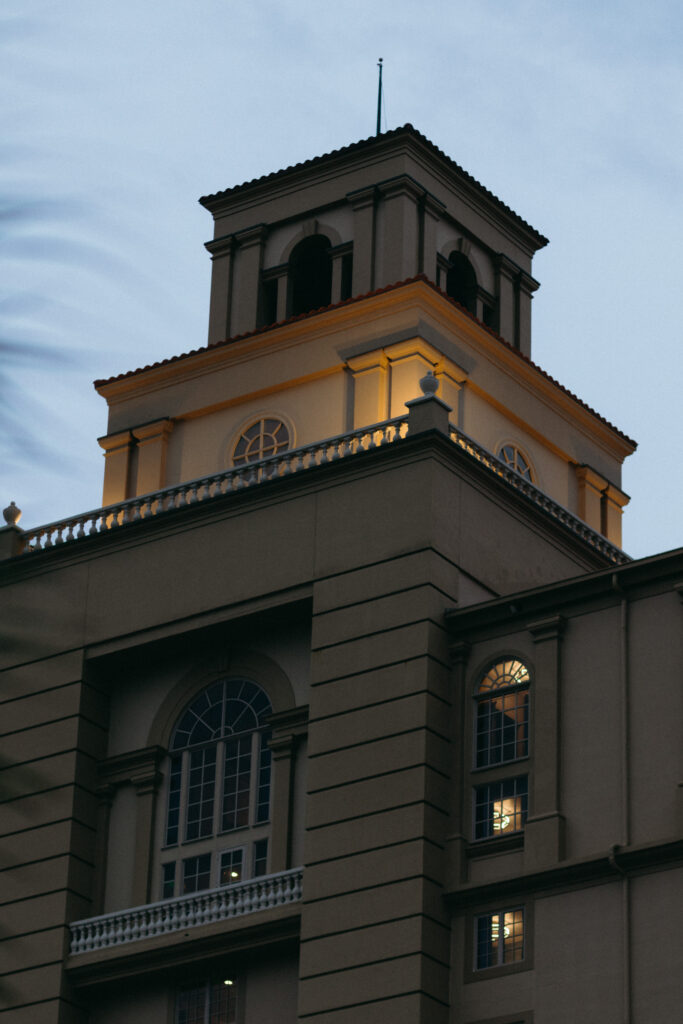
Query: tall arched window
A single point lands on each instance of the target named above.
(218, 802)
(310, 275)
(461, 281)
(501, 737)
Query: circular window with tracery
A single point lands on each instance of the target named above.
(515, 459)
(266, 437)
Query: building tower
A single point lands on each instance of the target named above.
(309, 731)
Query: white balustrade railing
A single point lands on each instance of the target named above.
(183, 912)
(538, 497)
(231, 481)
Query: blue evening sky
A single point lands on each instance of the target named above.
(116, 117)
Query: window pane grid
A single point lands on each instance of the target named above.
(222, 1004)
(197, 873)
(202, 782)
(263, 792)
(236, 783)
(214, 1003)
(231, 866)
(500, 807)
(502, 728)
(168, 881)
(260, 857)
(499, 939)
(173, 815)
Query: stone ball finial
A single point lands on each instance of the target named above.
(429, 384)
(12, 514)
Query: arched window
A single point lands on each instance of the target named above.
(514, 458)
(461, 281)
(261, 439)
(310, 275)
(218, 802)
(501, 737)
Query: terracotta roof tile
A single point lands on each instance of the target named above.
(349, 302)
(406, 129)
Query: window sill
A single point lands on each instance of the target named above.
(495, 845)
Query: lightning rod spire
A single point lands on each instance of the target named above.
(379, 98)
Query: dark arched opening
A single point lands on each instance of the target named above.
(461, 281)
(310, 275)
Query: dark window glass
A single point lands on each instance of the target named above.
(214, 1003)
(269, 301)
(263, 795)
(200, 790)
(461, 281)
(500, 807)
(173, 816)
(346, 276)
(260, 857)
(197, 873)
(489, 316)
(236, 783)
(168, 881)
(310, 275)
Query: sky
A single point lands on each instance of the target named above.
(116, 117)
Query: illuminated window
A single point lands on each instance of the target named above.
(262, 439)
(502, 729)
(218, 785)
(213, 1003)
(500, 807)
(515, 459)
(498, 939)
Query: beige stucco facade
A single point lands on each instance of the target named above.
(361, 579)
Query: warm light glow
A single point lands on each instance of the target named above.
(507, 814)
(234, 874)
(228, 981)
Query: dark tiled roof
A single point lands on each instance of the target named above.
(349, 302)
(406, 129)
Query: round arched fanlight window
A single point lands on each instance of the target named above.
(266, 437)
(515, 459)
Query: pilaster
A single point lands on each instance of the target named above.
(289, 727)
(363, 204)
(431, 212)
(222, 263)
(400, 197)
(117, 466)
(613, 504)
(152, 439)
(247, 278)
(527, 285)
(506, 277)
(457, 840)
(544, 829)
(370, 388)
(141, 769)
(591, 486)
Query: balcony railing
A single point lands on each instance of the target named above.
(233, 481)
(183, 912)
(538, 497)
